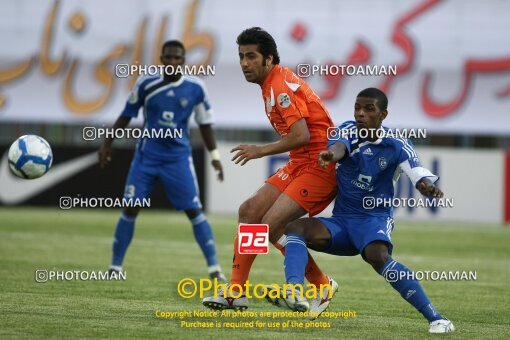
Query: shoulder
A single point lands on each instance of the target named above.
(401, 144)
(143, 81)
(195, 82)
(348, 124)
(285, 80)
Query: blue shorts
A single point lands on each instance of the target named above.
(350, 235)
(178, 178)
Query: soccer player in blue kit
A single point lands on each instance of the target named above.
(368, 168)
(168, 102)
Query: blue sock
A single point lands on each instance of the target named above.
(122, 238)
(205, 238)
(409, 288)
(296, 259)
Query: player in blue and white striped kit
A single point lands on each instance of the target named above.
(168, 102)
(367, 171)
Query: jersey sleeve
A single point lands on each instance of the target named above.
(203, 112)
(135, 100)
(342, 134)
(290, 102)
(410, 164)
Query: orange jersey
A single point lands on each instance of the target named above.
(288, 99)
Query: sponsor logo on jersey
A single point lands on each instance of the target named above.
(383, 163)
(368, 152)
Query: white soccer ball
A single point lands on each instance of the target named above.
(30, 157)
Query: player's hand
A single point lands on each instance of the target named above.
(429, 189)
(325, 157)
(245, 153)
(218, 168)
(105, 155)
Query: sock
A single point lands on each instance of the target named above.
(296, 258)
(313, 273)
(409, 288)
(122, 238)
(205, 239)
(213, 268)
(241, 265)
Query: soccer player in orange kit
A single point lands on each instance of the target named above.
(302, 185)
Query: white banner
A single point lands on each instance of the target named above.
(471, 178)
(452, 59)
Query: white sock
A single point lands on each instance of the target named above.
(117, 268)
(215, 268)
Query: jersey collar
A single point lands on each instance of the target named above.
(271, 75)
(176, 83)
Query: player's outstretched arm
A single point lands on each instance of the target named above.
(297, 137)
(333, 154)
(427, 188)
(105, 151)
(207, 133)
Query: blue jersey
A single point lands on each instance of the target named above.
(370, 169)
(168, 106)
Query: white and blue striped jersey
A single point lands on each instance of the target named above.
(168, 106)
(371, 169)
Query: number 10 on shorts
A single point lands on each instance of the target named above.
(253, 238)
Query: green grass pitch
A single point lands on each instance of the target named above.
(164, 251)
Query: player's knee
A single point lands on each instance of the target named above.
(192, 213)
(316, 242)
(249, 212)
(294, 227)
(276, 230)
(131, 211)
(376, 254)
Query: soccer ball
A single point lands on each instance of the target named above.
(30, 157)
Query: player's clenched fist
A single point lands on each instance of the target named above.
(427, 188)
(218, 168)
(325, 157)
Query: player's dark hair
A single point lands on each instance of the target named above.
(264, 41)
(174, 43)
(372, 92)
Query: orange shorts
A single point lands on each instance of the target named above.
(308, 184)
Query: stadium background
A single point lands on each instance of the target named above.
(57, 75)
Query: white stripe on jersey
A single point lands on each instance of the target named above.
(202, 116)
(407, 148)
(152, 83)
(363, 144)
(153, 93)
